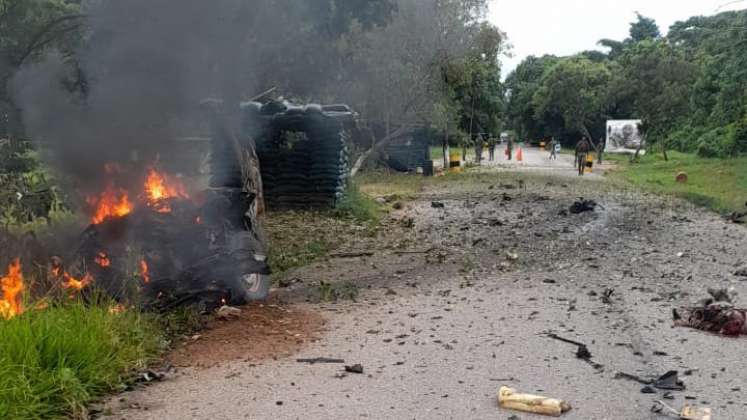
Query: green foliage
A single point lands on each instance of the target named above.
(522, 85)
(574, 91)
(479, 91)
(333, 292)
(358, 206)
(29, 199)
(689, 88)
(296, 239)
(657, 77)
(644, 29)
(54, 362)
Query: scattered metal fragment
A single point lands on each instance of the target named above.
(315, 360)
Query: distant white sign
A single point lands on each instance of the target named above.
(623, 136)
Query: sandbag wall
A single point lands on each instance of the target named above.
(303, 159)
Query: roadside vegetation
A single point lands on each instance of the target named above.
(687, 87)
(718, 184)
(298, 238)
(55, 361)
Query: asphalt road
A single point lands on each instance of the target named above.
(439, 333)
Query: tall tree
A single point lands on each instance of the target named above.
(575, 91)
(28, 28)
(644, 29)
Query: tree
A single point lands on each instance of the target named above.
(28, 28)
(644, 29)
(521, 86)
(660, 79)
(574, 90)
(479, 90)
(412, 72)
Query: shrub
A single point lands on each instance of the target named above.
(358, 206)
(55, 361)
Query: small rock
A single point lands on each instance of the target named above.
(648, 390)
(548, 281)
(438, 205)
(357, 368)
(380, 200)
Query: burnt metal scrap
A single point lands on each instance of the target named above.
(302, 151)
(715, 314)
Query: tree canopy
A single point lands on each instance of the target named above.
(689, 87)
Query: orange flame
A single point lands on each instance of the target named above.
(144, 271)
(70, 282)
(160, 187)
(110, 203)
(12, 286)
(103, 260)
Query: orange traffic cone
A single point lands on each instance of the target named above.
(520, 155)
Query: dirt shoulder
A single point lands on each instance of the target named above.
(457, 292)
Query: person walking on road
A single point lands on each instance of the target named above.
(553, 148)
(510, 148)
(492, 143)
(479, 146)
(582, 151)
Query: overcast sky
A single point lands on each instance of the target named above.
(563, 27)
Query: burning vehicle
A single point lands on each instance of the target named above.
(184, 247)
(160, 240)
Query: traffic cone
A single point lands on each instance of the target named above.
(520, 155)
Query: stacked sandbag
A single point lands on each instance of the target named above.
(312, 170)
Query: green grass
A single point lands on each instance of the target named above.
(53, 362)
(298, 238)
(718, 184)
(358, 206)
(390, 184)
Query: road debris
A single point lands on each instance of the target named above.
(688, 412)
(607, 296)
(315, 360)
(742, 272)
(737, 217)
(508, 398)
(357, 368)
(351, 254)
(582, 351)
(228, 313)
(437, 205)
(669, 381)
(583, 206)
(715, 314)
